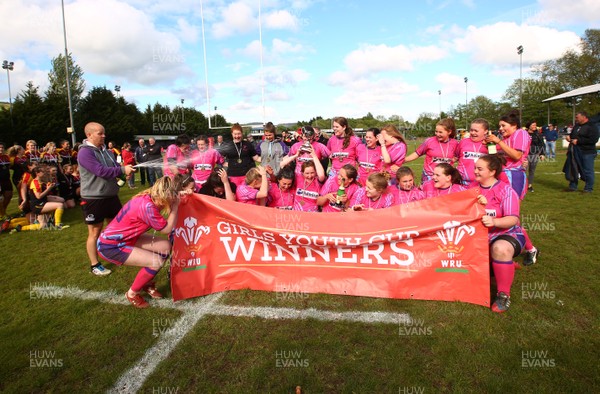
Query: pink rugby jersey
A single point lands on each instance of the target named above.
(246, 194)
(431, 191)
(468, 152)
(332, 187)
(397, 152)
(320, 149)
(173, 152)
(405, 196)
(306, 195)
(502, 201)
(521, 141)
(342, 156)
(203, 163)
(436, 152)
(280, 199)
(384, 201)
(369, 161)
(135, 218)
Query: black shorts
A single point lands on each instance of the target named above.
(97, 210)
(37, 207)
(517, 244)
(6, 185)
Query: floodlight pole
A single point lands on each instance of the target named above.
(71, 128)
(520, 53)
(9, 66)
(466, 104)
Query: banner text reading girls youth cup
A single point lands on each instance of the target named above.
(435, 249)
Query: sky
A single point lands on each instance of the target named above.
(319, 57)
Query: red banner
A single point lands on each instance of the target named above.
(435, 249)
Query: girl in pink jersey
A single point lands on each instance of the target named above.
(342, 145)
(438, 149)
(330, 200)
(515, 144)
(308, 186)
(406, 190)
(502, 220)
(282, 192)
(125, 242)
(203, 160)
(176, 160)
(368, 156)
(446, 179)
(393, 150)
(469, 150)
(301, 155)
(375, 194)
(255, 188)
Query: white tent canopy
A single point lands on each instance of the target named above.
(576, 92)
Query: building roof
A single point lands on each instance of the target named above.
(576, 92)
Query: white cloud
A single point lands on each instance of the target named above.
(451, 83)
(106, 38)
(497, 44)
(362, 93)
(279, 49)
(565, 12)
(236, 18)
(280, 19)
(187, 32)
(377, 58)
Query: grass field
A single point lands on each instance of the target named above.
(56, 338)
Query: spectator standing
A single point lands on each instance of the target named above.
(583, 140)
(140, 158)
(128, 160)
(154, 160)
(98, 169)
(550, 135)
(537, 151)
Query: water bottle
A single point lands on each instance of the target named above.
(340, 193)
(121, 179)
(491, 146)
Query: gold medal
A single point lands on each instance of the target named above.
(239, 161)
(302, 202)
(341, 158)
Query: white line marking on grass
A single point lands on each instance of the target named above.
(290, 313)
(133, 379)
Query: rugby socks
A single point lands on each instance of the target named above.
(504, 271)
(15, 222)
(31, 227)
(528, 244)
(58, 216)
(142, 278)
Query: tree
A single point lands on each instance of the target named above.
(122, 120)
(58, 79)
(573, 70)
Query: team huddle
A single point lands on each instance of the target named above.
(372, 175)
(312, 175)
